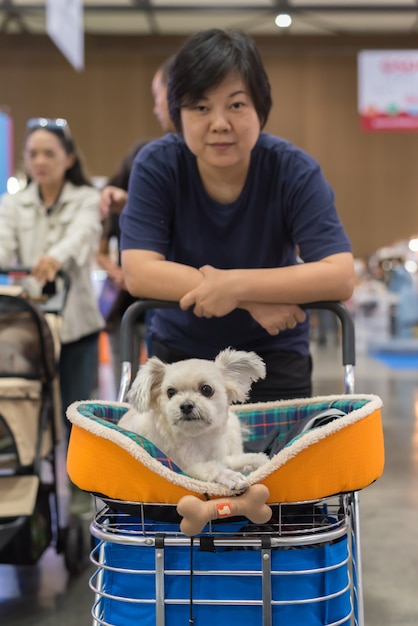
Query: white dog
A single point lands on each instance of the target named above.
(184, 409)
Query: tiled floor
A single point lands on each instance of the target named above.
(44, 594)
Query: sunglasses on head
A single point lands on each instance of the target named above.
(58, 123)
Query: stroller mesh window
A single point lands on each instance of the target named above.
(26, 345)
(8, 450)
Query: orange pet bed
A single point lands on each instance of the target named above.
(344, 455)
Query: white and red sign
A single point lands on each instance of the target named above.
(388, 89)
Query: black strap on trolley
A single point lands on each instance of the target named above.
(206, 545)
(191, 618)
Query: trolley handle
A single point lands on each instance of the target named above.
(136, 309)
(347, 326)
(129, 319)
(54, 303)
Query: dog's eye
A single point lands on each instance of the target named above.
(206, 390)
(171, 392)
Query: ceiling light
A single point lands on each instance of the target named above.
(283, 20)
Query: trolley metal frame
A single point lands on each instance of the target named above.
(343, 521)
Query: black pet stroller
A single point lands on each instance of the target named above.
(33, 511)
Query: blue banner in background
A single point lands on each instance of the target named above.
(6, 150)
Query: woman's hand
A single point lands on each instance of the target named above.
(215, 296)
(45, 269)
(275, 317)
(116, 274)
(112, 200)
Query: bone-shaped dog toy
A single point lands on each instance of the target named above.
(197, 513)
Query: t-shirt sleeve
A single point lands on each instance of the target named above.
(311, 213)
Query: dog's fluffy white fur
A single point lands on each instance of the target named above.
(184, 409)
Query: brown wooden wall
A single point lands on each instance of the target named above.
(314, 84)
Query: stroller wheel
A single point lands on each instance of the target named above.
(75, 554)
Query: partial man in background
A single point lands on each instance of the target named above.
(115, 298)
(113, 197)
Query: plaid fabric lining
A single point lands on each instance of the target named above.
(258, 422)
(109, 416)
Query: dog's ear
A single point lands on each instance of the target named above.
(240, 370)
(147, 384)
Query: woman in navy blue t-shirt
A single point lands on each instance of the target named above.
(237, 225)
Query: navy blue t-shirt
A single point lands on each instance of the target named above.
(286, 205)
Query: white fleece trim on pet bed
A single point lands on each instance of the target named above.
(316, 434)
(373, 403)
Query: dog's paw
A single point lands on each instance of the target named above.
(214, 471)
(235, 481)
(247, 462)
(254, 460)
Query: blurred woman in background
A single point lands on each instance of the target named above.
(53, 225)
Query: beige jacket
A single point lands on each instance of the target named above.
(70, 234)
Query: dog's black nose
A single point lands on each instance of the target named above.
(187, 407)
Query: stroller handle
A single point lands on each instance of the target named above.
(55, 302)
(136, 309)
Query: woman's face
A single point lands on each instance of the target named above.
(222, 128)
(45, 158)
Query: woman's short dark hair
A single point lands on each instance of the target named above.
(206, 59)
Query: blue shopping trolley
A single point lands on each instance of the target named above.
(303, 567)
